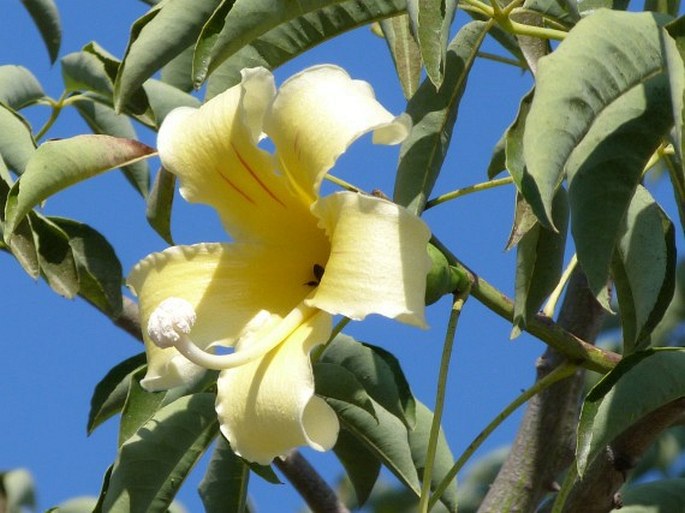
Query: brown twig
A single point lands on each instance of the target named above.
(314, 490)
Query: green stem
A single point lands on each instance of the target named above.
(498, 58)
(56, 107)
(342, 183)
(556, 293)
(457, 305)
(520, 29)
(490, 184)
(540, 326)
(561, 372)
(479, 6)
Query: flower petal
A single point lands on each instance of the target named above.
(227, 284)
(316, 115)
(378, 262)
(267, 407)
(213, 150)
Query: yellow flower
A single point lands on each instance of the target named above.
(296, 259)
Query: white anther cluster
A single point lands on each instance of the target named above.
(173, 318)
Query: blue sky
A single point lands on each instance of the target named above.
(55, 350)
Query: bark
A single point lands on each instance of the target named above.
(545, 441)
(598, 491)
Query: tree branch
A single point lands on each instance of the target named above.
(313, 489)
(545, 440)
(597, 492)
(564, 341)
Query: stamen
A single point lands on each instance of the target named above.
(171, 322)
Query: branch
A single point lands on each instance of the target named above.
(598, 491)
(546, 438)
(555, 335)
(129, 319)
(309, 484)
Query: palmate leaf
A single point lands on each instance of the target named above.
(405, 52)
(103, 120)
(243, 22)
(638, 385)
(539, 263)
(643, 268)
(664, 495)
(287, 40)
(55, 258)
(224, 486)
(110, 393)
(16, 141)
(153, 463)
(433, 114)
(58, 164)
(159, 203)
(46, 17)
(376, 370)
(18, 87)
(95, 70)
(432, 20)
(598, 129)
(158, 36)
(618, 53)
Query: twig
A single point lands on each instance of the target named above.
(313, 489)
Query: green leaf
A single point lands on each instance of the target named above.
(384, 435)
(110, 393)
(418, 442)
(524, 221)
(156, 38)
(361, 465)
(433, 115)
(658, 496)
(674, 46)
(405, 52)
(432, 20)
(164, 98)
(379, 373)
(606, 168)
(586, 7)
(46, 17)
(644, 269)
(274, 43)
(159, 204)
(99, 270)
(620, 54)
(94, 69)
(240, 23)
(670, 7)
(21, 244)
(84, 71)
(16, 142)
(153, 463)
(177, 72)
(638, 385)
(18, 87)
(559, 11)
(103, 120)
(55, 257)
(58, 164)
(335, 382)
(498, 160)
(223, 488)
(539, 263)
(515, 161)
